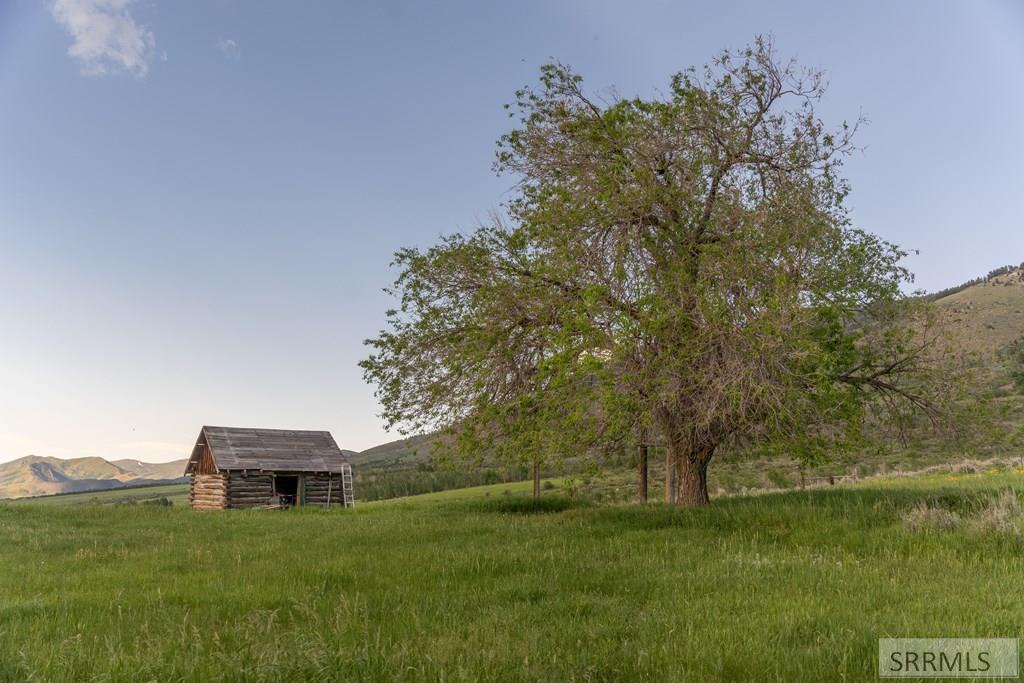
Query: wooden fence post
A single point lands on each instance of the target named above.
(643, 473)
(670, 478)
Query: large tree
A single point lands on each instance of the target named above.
(681, 267)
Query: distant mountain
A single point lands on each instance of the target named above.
(152, 470)
(398, 454)
(36, 476)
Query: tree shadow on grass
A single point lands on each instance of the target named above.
(521, 505)
(778, 512)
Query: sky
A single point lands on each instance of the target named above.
(199, 199)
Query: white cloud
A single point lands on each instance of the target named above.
(106, 37)
(229, 47)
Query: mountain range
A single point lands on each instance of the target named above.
(35, 475)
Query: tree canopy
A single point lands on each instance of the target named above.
(681, 267)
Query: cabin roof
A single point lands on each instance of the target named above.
(270, 450)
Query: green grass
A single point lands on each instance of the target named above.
(177, 494)
(467, 586)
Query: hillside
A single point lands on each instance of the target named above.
(398, 454)
(39, 476)
(987, 316)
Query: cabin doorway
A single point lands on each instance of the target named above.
(287, 489)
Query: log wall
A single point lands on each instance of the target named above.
(209, 492)
(249, 490)
(317, 488)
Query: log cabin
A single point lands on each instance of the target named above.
(234, 467)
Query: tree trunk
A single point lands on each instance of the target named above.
(693, 482)
(536, 480)
(643, 473)
(690, 474)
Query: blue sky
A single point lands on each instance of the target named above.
(199, 198)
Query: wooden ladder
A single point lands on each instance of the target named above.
(346, 486)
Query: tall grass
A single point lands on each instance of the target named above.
(791, 586)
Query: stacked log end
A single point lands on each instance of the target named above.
(209, 491)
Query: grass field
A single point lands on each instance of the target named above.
(479, 585)
(177, 494)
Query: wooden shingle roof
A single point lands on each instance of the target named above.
(270, 450)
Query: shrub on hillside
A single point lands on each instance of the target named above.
(925, 517)
(1002, 514)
